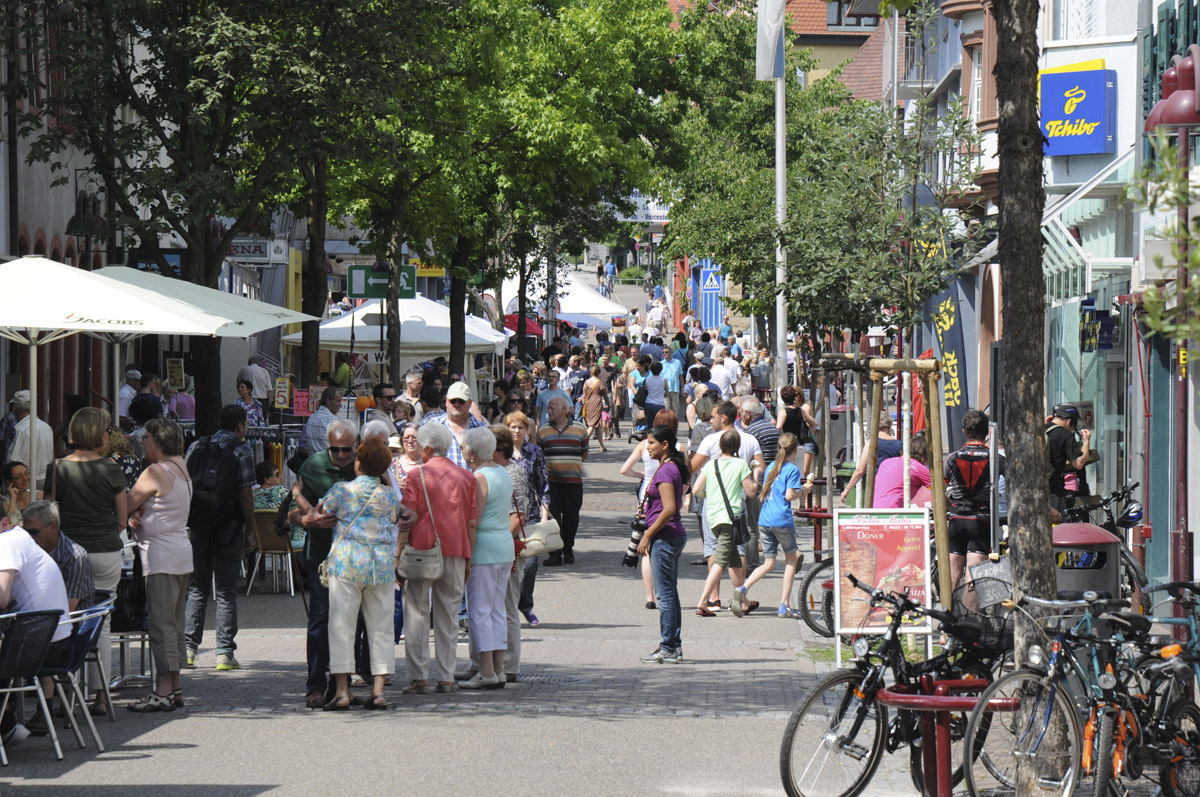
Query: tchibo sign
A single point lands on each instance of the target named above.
(1079, 112)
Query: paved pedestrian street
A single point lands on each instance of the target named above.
(586, 717)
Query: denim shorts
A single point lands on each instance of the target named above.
(809, 448)
(774, 537)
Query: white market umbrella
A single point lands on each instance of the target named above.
(244, 317)
(247, 316)
(42, 301)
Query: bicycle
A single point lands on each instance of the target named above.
(835, 738)
(1046, 699)
(1147, 719)
(814, 597)
(1133, 575)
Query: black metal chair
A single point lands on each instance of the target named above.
(22, 652)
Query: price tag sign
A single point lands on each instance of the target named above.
(314, 397)
(283, 389)
(300, 402)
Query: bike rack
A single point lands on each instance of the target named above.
(815, 515)
(936, 700)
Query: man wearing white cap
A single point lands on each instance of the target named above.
(43, 438)
(457, 418)
(133, 383)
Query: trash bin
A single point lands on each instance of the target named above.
(843, 475)
(1086, 557)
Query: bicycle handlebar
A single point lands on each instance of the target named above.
(1096, 599)
(1175, 588)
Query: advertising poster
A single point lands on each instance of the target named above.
(888, 549)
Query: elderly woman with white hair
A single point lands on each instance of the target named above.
(443, 496)
(492, 559)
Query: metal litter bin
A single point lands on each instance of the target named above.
(1086, 557)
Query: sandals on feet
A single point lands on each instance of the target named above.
(336, 704)
(445, 687)
(705, 613)
(375, 703)
(153, 702)
(413, 688)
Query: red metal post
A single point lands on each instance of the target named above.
(1181, 538)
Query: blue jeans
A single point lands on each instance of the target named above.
(664, 567)
(318, 632)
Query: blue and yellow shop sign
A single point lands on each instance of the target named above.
(1079, 112)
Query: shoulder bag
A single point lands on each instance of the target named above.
(323, 568)
(417, 565)
(741, 534)
(540, 538)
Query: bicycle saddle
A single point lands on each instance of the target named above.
(1129, 622)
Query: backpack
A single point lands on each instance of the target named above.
(214, 469)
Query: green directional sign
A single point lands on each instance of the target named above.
(408, 283)
(363, 283)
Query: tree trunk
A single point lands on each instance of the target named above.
(458, 309)
(205, 269)
(522, 310)
(315, 291)
(395, 249)
(1022, 199)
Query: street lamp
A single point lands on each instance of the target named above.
(88, 220)
(1179, 108)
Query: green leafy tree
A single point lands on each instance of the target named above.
(173, 104)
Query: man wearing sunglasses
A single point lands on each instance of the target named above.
(457, 418)
(318, 473)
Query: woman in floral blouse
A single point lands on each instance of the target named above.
(247, 401)
(361, 571)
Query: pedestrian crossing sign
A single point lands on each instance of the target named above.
(710, 281)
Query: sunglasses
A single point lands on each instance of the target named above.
(341, 449)
(458, 401)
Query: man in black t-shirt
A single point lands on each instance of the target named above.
(1065, 453)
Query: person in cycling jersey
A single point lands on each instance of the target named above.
(968, 476)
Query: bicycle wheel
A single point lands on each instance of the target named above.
(833, 741)
(1134, 581)
(1023, 734)
(811, 598)
(1180, 777)
(1102, 755)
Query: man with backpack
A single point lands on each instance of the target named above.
(222, 471)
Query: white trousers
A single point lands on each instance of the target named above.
(485, 606)
(378, 605)
(512, 657)
(447, 594)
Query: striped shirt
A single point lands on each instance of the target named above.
(767, 436)
(76, 569)
(564, 452)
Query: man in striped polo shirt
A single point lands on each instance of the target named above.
(565, 446)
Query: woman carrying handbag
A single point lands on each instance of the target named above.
(443, 497)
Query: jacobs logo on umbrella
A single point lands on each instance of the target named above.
(75, 319)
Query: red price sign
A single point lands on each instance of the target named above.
(300, 402)
(884, 548)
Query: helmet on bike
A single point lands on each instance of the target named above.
(1068, 411)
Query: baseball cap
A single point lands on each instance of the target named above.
(21, 397)
(459, 390)
(1068, 411)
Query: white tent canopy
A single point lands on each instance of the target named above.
(42, 301)
(574, 298)
(424, 330)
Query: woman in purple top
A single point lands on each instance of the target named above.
(663, 539)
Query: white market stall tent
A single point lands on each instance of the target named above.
(574, 299)
(424, 330)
